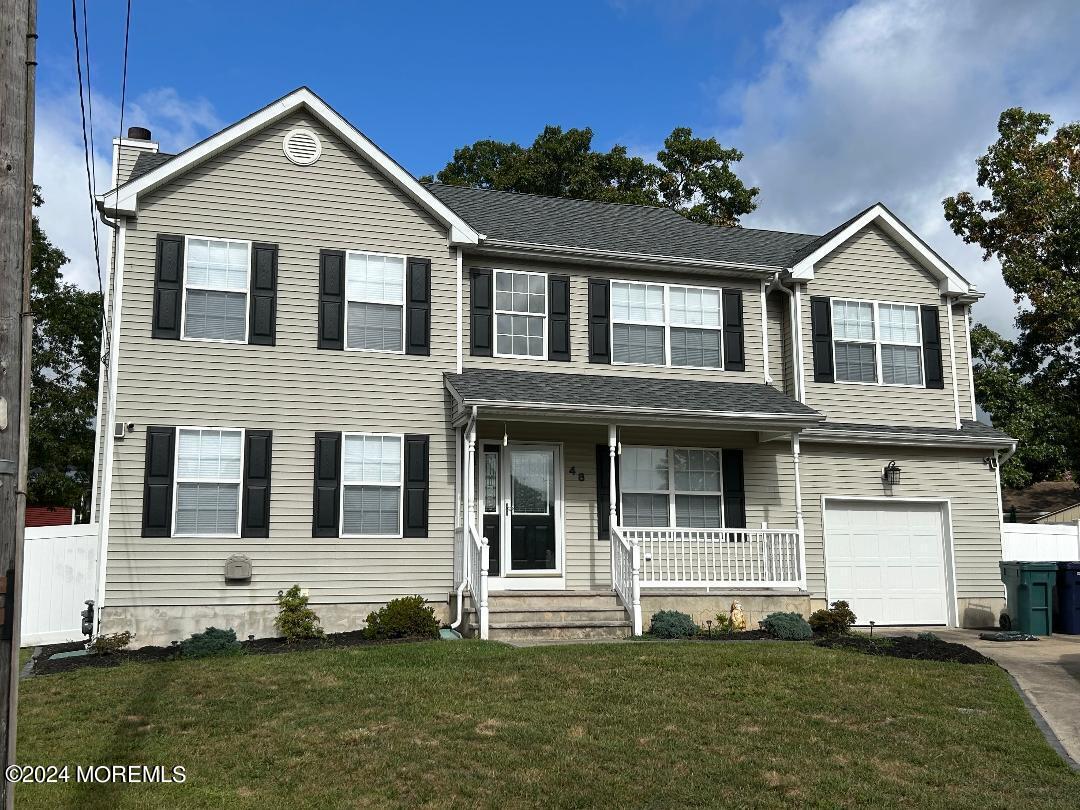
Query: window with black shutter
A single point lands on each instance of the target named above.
(734, 351)
(255, 521)
(158, 481)
(327, 490)
(168, 286)
(418, 306)
(331, 299)
(734, 489)
(559, 318)
(599, 320)
(262, 330)
(415, 522)
(481, 302)
(821, 338)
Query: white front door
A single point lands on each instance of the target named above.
(887, 560)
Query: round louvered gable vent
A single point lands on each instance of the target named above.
(302, 146)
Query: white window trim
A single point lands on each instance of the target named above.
(246, 291)
(404, 296)
(496, 312)
(877, 341)
(239, 482)
(667, 325)
(672, 492)
(401, 485)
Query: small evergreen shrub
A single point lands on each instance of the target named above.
(295, 620)
(837, 620)
(110, 643)
(210, 642)
(928, 636)
(724, 623)
(672, 624)
(405, 617)
(786, 626)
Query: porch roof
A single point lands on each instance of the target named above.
(603, 397)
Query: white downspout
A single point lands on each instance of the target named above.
(466, 479)
(765, 335)
(460, 333)
(952, 361)
(796, 331)
(970, 359)
(799, 523)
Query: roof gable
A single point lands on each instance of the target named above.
(125, 198)
(877, 214)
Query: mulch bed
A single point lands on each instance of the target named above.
(738, 635)
(908, 647)
(44, 665)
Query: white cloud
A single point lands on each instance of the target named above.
(893, 101)
(59, 164)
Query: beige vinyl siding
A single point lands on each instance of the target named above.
(780, 366)
(579, 321)
(253, 192)
(870, 265)
(126, 158)
(956, 475)
(963, 361)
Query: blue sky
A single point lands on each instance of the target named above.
(836, 104)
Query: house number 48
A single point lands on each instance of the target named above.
(580, 476)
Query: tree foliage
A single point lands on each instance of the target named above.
(1030, 222)
(693, 176)
(64, 378)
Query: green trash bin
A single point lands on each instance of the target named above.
(1029, 592)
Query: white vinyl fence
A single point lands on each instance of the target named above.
(59, 575)
(1037, 542)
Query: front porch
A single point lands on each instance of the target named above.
(568, 506)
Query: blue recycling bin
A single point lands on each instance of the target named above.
(1067, 619)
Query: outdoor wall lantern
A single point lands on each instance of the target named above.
(890, 474)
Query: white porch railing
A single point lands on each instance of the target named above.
(626, 575)
(717, 557)
(477, 576)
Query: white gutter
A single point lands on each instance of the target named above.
(765, 335)
(952, 361)
(470, 428)
(110, 444)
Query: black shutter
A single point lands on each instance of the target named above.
(168, 286)
(821, 338)
(415, 519)
(418, 306)
(256, 507)
(599, 318)
(331, 299)
(262, 330)
(158, 482)
(481, 318)
(558, 317)
(603, 502)
(734, 350)
(734, 489)
(327, 485)
(931, 347)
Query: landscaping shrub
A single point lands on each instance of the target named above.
(836, 620)
(406, 617)
(210, 642)
(927, 636)
(672, 624)
(110, 643)
(295, 620)
(787, 626)
(723, 623)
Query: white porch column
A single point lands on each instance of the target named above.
(799, 508)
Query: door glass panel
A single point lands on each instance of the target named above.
(531, 476)
(491, 482)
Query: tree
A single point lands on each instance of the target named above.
(1030, 222)
(64, 378)
(691, 175)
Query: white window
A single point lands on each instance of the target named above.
(666, 325)
(209, 471)
(671, 486)
(216, 289)
(371, 485)
(375, 295)
(520, 314)
(877, 342)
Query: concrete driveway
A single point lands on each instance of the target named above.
(1047, 670)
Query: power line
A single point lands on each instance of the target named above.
(86, 153)
(89, 98)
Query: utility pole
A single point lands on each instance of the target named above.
(18, 54)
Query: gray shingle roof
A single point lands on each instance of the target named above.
(638, 229)
(968, 430)
(652, 394)
(147, 162)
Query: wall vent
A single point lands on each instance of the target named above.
(302, 146)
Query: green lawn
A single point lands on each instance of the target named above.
(484, 725)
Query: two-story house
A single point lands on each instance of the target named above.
(549, 417)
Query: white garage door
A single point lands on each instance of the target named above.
(887, 561)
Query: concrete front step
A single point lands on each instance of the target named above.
(556, 614)
(554, 631)
(552, 600)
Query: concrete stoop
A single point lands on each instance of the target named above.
(552, 616)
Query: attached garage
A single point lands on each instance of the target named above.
(890, 560)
